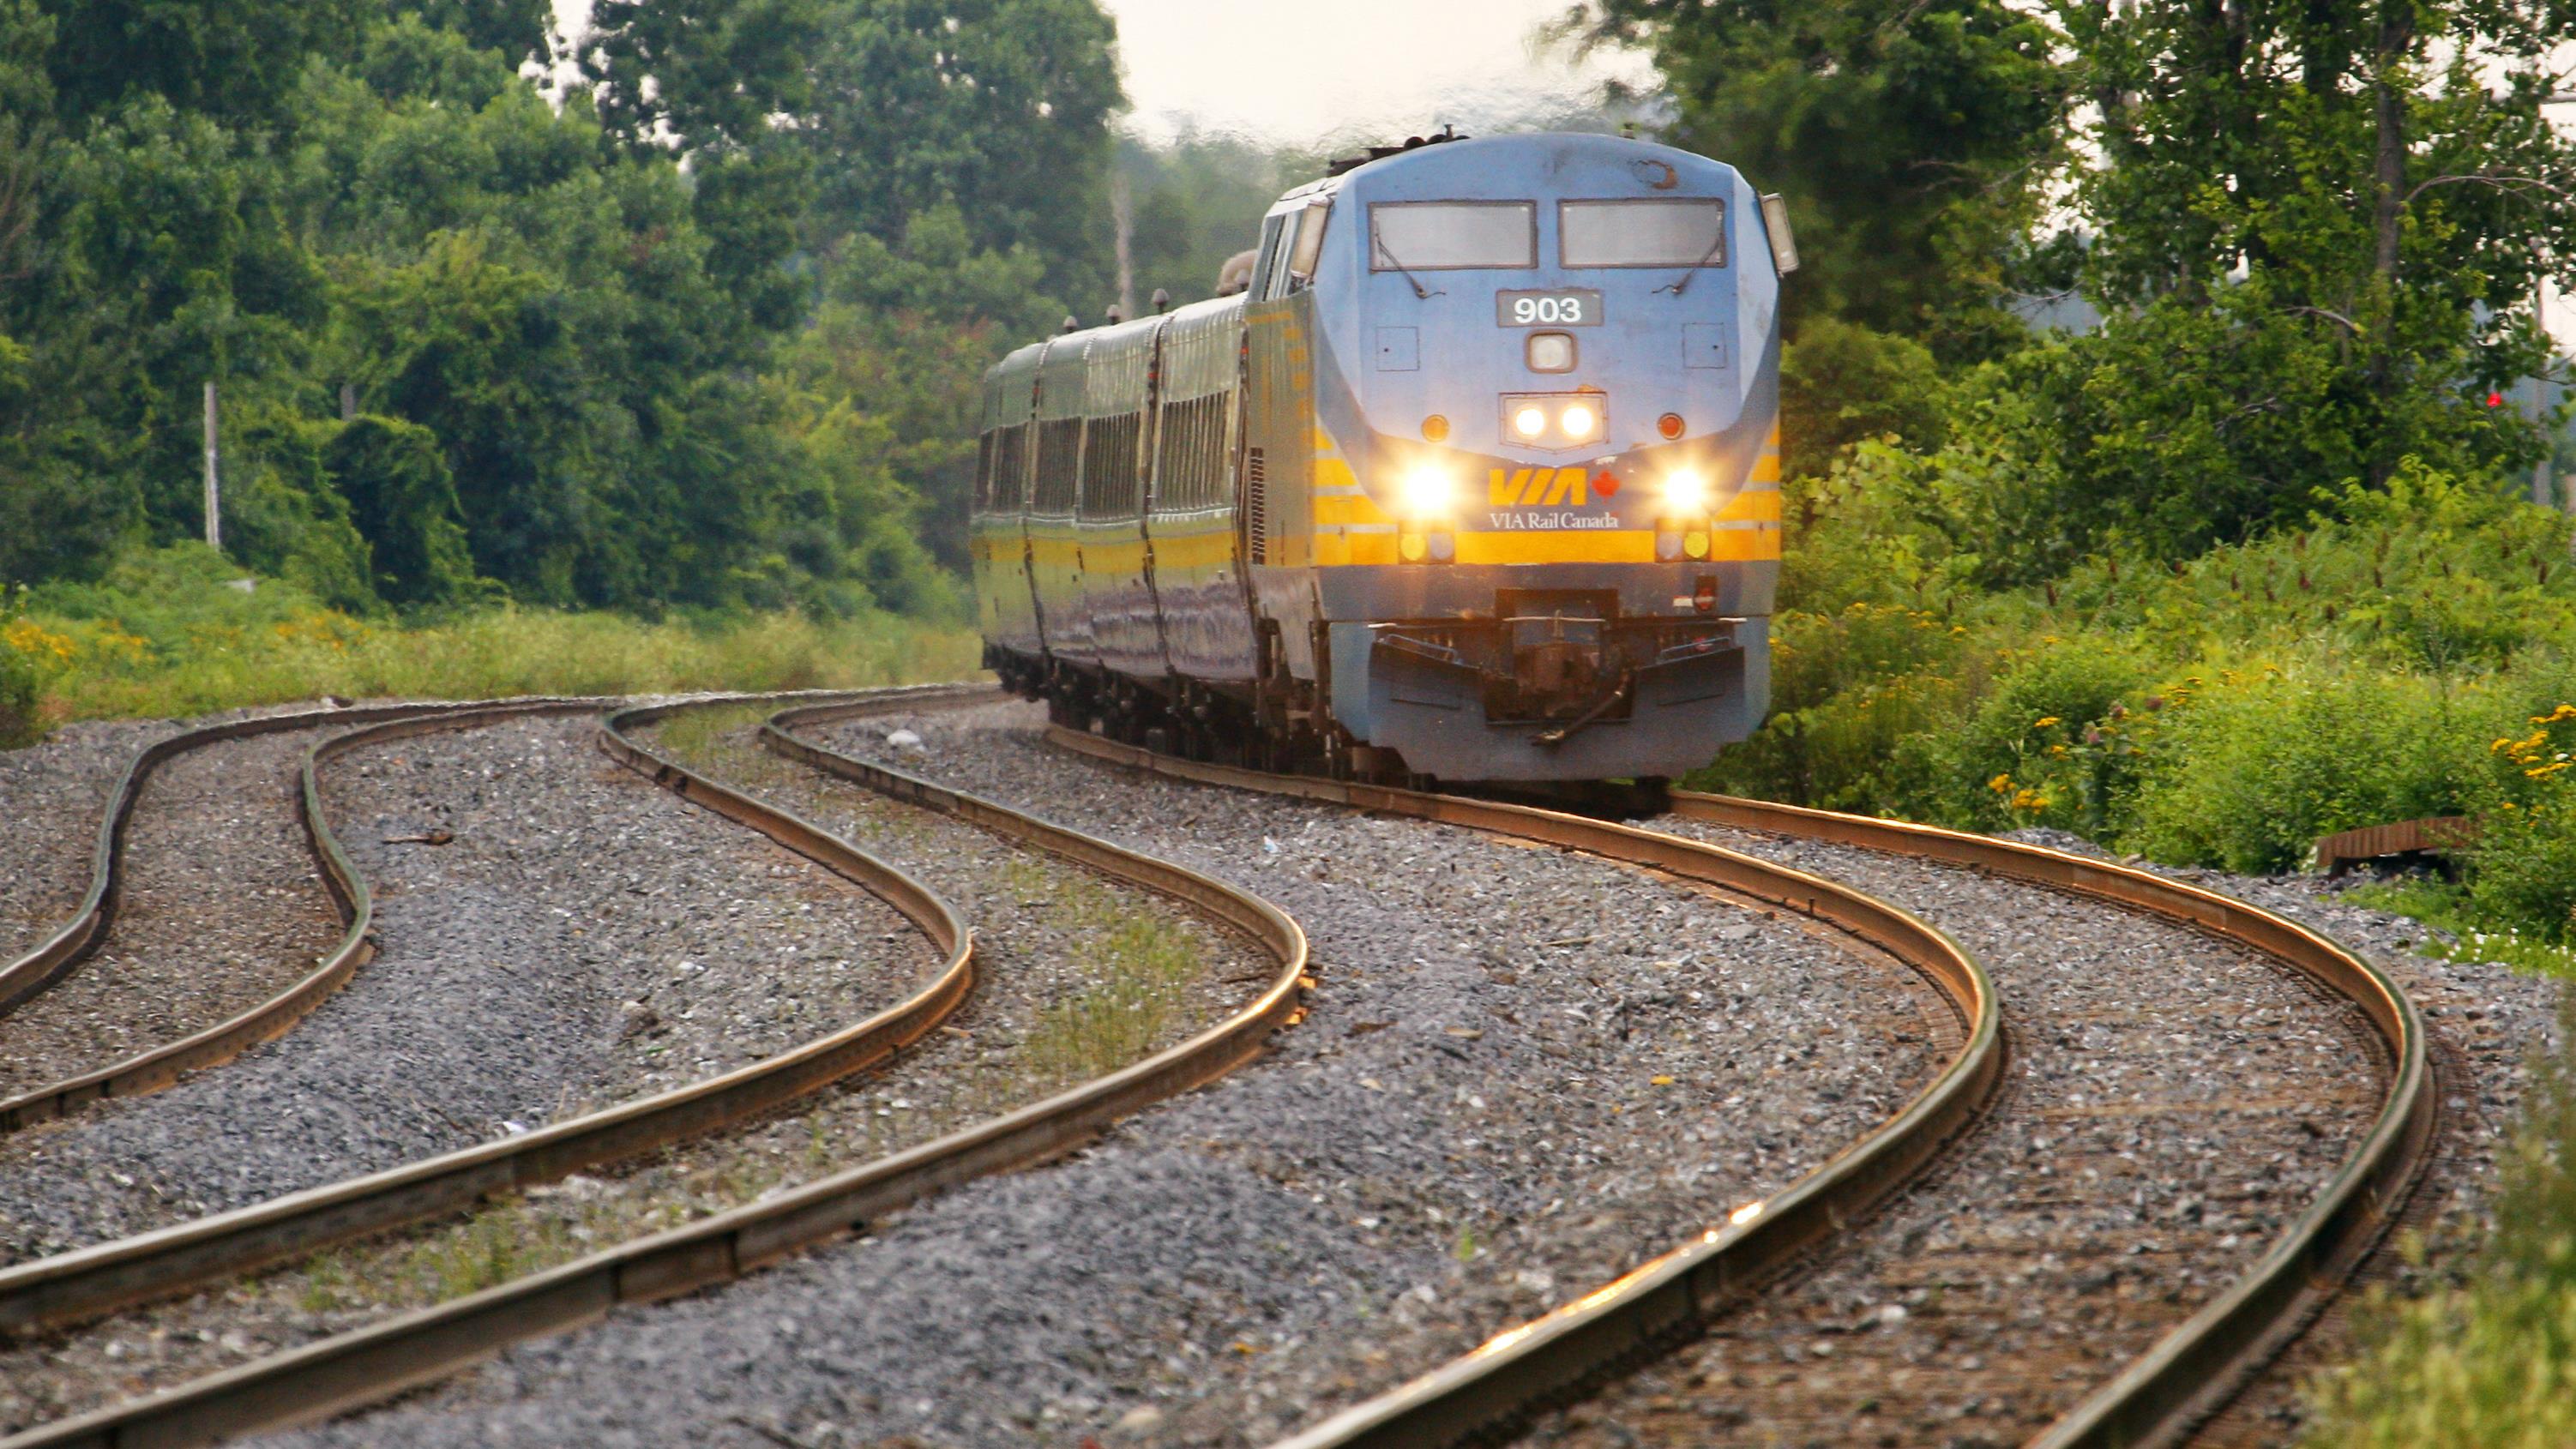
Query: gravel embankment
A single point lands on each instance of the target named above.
(2172, 1103)
(53, 798)
(585, 938)
(1469, 1127)
(1053, 942)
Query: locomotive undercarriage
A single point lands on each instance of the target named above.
(1275, 723)
(1521, 697)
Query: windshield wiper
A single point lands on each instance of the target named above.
(1418, 291)
(1706, 257)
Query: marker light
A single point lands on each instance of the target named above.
(1579, 421)
(1670, 425)
(1529, 422)
(1428, 491)
(1435, 429)
(1685, 492)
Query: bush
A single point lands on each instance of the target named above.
(2052, 744)
(1846, 688)
(2250, 771)
(29, 655)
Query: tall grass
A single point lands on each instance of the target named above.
(2489, 1359)
(163, 637)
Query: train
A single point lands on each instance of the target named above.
(1475, 479)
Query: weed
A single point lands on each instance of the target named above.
(2490, 1358)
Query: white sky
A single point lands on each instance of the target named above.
(1300, 72)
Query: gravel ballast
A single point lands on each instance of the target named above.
(2488, 1022)
(53, 799)
(2171, 1103)
(1052, 942)
(1468, 1128)
(586, 938)
(221, 910)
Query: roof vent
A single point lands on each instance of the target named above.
(1380, 153)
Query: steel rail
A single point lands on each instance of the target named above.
(1690, 1285)
(52, 958)
(66, 1288)
(381, 1360)
(2200, 1364)
(152, 1070)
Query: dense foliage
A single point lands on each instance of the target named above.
(2237, 566)
(697, 333)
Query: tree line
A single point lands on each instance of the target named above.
(689, 318)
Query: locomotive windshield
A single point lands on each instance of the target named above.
(1645, 233)
(1424, 236)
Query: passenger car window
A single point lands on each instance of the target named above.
(1681, 232)
(1429, 236)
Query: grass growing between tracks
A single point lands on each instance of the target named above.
(2490, 1358)
(1140, 971)
(163, 636)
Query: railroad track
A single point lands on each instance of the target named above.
(342, 1372)
(2187, 1374)
(25, 978)
(1615, 1325)
(68, 1288)
(382, 1359)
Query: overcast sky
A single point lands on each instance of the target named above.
(1299, 72)
(1303, 71)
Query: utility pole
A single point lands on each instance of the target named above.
(1123, 213)
(214, 479)
(348, 401)
(2542, 489)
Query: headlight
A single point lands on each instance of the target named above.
(1529, 422)
(1579, 421)
(1428, 491)
(1685, 492)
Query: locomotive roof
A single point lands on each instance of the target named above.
(1515, 157)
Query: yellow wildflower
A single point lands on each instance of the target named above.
(2044, 721)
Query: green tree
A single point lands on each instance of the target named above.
(517, 29)
(235, 60)
(2380, 173)
(1001, 106)
(1912, 139)
(403, 500)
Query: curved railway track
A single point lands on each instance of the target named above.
(2188, 1373)
(342, 1372)
(55, 958)
(384, 1358)
(67, 1288)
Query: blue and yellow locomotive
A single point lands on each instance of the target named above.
(1478, 480)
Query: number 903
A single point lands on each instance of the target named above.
(1553, 311)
